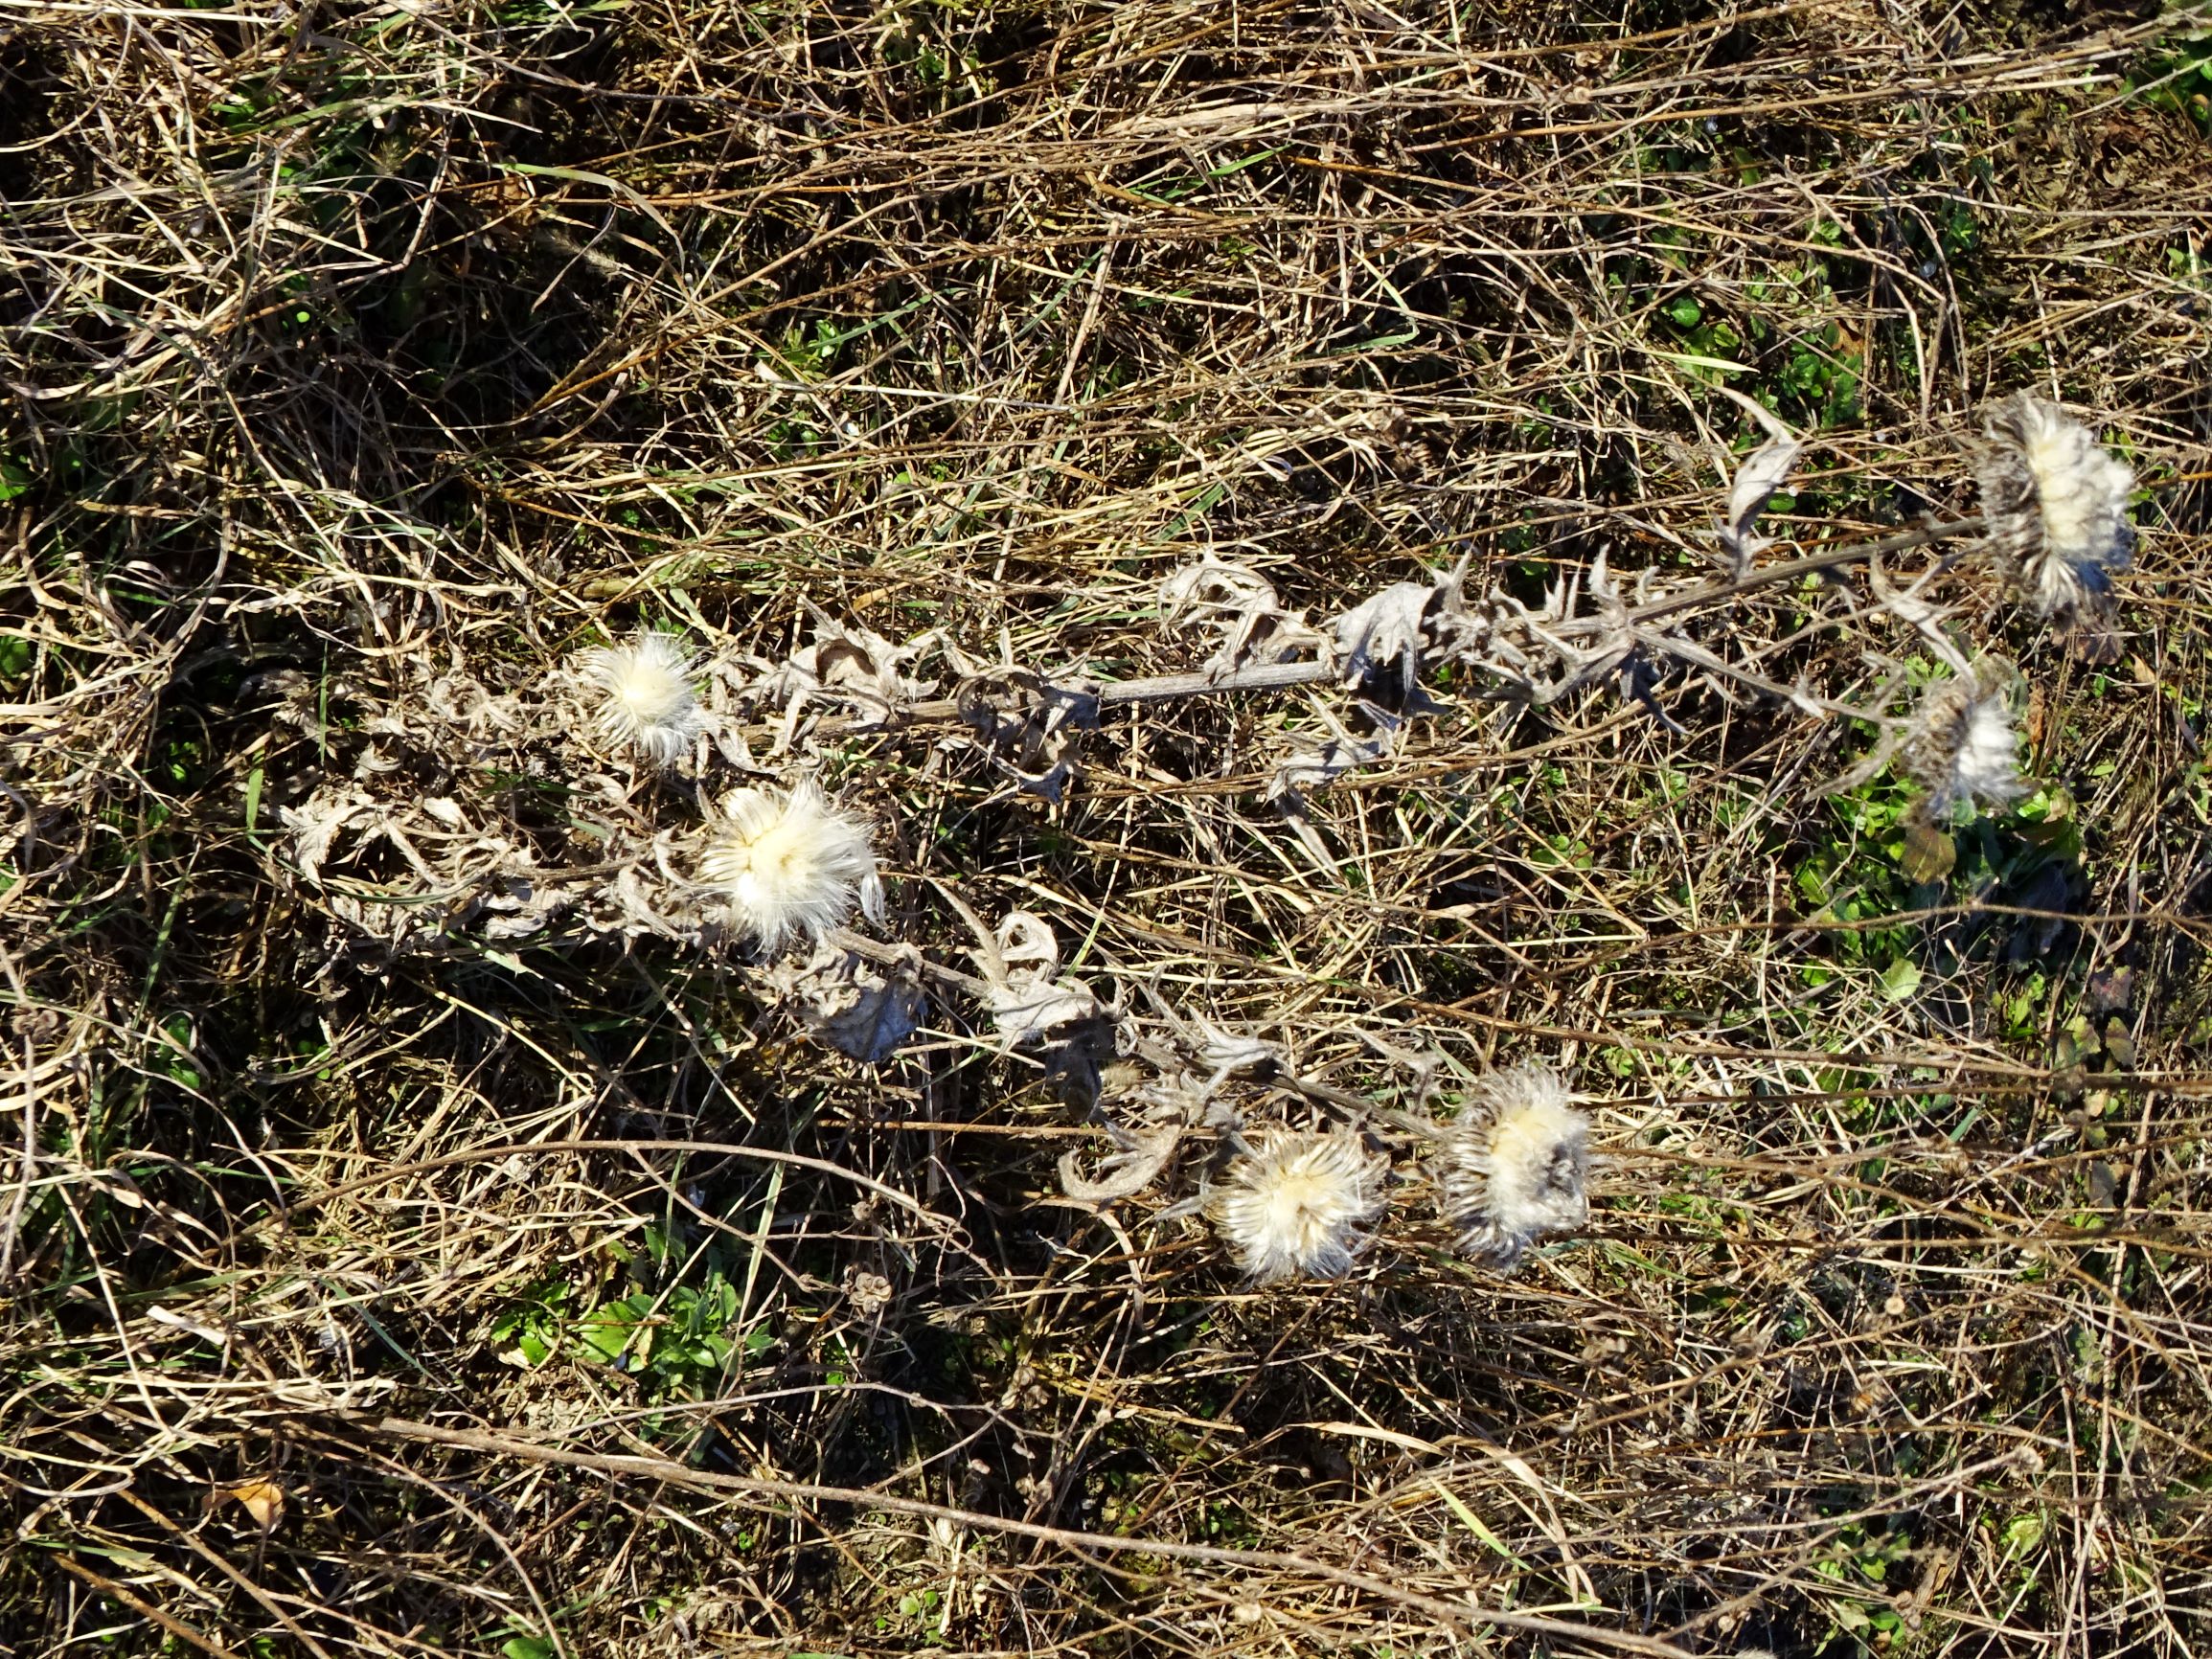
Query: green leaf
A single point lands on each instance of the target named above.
(606, 1333)
(253, 799)
(1474, 1524)
(1686, 312)
(1899, 979)
(529, 1647)
(1699, 360)
(2022, 1534)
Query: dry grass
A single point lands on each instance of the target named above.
(363, 359)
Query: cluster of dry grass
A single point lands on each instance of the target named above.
(374, 1283)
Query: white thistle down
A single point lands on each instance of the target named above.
(1514, 1165)
(645, 695)
(788, 863)
(1962, 746)
(2057, 506)
(1298, 1204)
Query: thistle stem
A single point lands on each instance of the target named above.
(1285, 676)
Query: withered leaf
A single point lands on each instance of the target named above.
(1385, 633)
(861, 1008)
(260, 1497)
(1929, 854)
(1762, 473)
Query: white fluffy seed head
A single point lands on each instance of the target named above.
(2057, 505)
(1514, 1165)
(645, 699)
(1298, 1204)
(1962, 747)
(788, 863)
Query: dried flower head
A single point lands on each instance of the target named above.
(1961, 748)
(1299, 1203)
(787, 862)
(646, 701)
(2057, 505)
(1514, 1165)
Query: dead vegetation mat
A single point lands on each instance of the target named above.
(380, 1282)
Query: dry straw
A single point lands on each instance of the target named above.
(317, 934)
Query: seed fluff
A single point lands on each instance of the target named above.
(1297, 1204)
(788, 863)
(1961, 748)
(645, 695)
(2057, 506)
(1514, 1165)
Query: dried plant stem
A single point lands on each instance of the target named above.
(145, 1609)
(682, 1475)
(1287, 677)
(1794, 570)
(385, 1177)
(883, 955)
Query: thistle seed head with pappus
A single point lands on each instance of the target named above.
(787, 862)
(1298, 1204)
(1514, 1165)
(644, 700)
(1962, 746)
(2057, 506)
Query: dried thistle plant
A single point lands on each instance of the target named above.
(787, 862)
(2057, 506)
(644, 701)
(1298, 1204)
(987, 405)
(1961, 748)
(1513, 1165)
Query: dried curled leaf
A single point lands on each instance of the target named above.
(1029, 1008)
(1762, 473)
(846, 664)
(1226, 1053)
(862, 1009)
(1027, 724)
(1243, 606)
(1061, 1023)
(1385, 635)
(464, 703)
(522, 906)
(316, 824)
(1320, 761)
(261, 1498)
(1126, 1171)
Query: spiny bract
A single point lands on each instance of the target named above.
(788, 863)
(1298, 1204)
(1514, 1165)
(2057, 506)
(646, 701)
(1962, 746)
